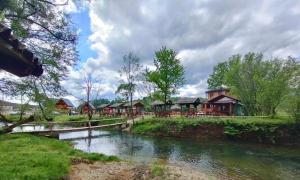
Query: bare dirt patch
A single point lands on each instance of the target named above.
(128, 171)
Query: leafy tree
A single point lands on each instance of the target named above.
(169, 74)
(129, 72)
(217, 78)
(291, 101)
(48, 32)
(260, 84)
(100, 101)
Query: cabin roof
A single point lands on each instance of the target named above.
(187, 100)
(116, 105)
(67, 101)
(134, 103)
(16, 58)
(83, 104)
(160, 103)
(223, 99)
(103, 105)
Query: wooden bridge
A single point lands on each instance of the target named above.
(54, 132)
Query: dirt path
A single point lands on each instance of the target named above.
(128, 171)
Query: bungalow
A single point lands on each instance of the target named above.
(137, 108)
(104, 109)
(64, 104)
(219, 103)
(188, 106)
(117, 109)
(84, 108)
(161, 109)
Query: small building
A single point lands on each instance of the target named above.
(117, 109)
(104, 109)
(84, 108)
(188, 106)
(137, 108)
(64, 104)
(219, 103)
(162, 109)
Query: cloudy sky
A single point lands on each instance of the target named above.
(203, 32)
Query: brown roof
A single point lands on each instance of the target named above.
(116, 105)
(134, 103)
(223, 99)
(159, 103)
(187, 100)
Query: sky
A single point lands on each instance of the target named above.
(202, 32)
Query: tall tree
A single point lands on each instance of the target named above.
(129, 72)
(259, 83)
(217, 78)
(91, 87)
(48, 32)
(168, 76)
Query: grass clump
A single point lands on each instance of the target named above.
(25, 156)
(158, 168)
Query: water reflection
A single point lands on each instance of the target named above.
(224, 159)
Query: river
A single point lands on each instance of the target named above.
(222, 159)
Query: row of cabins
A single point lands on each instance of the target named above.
(218, 103)
(119, 109)
(116, 109)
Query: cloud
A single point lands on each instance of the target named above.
(202, 32)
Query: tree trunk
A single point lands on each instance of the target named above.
(43, 113)
(9, 129)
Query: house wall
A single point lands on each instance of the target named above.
(213, 94)
(62, 105)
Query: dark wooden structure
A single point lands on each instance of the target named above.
(161, 109)
(84, 108)
(104, 109)
(15, 58)
(188, 106)
(137, 108)
(223, 105)
(117, 109)
(64, 104)
(219, 103)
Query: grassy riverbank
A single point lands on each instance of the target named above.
(24, 156)
(257, 129)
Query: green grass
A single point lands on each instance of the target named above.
(24, 156)
(156, 125)
(158, 168)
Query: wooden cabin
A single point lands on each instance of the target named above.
(137, 108)
(84, 108)
(161, 109)
(64, 104)
(104, 109)
(219, 103)
(188, 106)
(15, 58)
(117, 109)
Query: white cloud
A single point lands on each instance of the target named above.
(202, 32)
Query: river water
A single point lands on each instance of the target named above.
(222, 159)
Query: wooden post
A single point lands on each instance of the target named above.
(230, 109)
